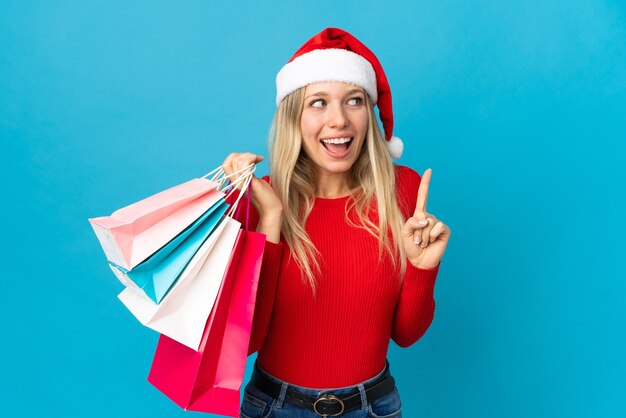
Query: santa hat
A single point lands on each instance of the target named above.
(335, 55)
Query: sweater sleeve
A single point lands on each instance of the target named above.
(266, 294)
(416, 305)
(268, 277)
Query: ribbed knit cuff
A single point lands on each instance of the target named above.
(425, 277)
(423, 273)
(272, 253)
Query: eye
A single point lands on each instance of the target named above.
(358, 100)
(317, 103)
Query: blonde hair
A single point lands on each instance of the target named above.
(371, 178)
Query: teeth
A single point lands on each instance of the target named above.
(336, 140)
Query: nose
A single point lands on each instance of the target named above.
(336, 116)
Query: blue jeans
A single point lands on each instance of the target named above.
(257, 404)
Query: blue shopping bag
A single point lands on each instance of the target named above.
(157, 274)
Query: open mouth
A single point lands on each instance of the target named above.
(337, 146)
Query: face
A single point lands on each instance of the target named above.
(334, 124)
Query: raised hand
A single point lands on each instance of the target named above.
(424, 236)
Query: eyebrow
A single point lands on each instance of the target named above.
(323, 93)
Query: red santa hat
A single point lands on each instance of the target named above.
(335, 55)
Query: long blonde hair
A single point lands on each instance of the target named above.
(371, 178)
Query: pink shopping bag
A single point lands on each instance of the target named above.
(133, 233)
(210, 379)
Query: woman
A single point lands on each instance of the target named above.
(351, 255)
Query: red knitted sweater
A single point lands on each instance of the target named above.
(339, 337)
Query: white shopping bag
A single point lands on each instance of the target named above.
(183, 313)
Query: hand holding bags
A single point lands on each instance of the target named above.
(204, 274)
(162, 232)
(209, 379)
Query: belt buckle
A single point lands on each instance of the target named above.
(329, 398)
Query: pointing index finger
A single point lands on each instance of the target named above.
(422, 193)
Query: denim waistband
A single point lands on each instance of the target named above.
(341, 391)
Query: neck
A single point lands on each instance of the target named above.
(332, 185)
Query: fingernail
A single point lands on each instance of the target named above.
(417, 240)
(422, 222)
(423, 245)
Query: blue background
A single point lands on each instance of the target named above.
(518, 107)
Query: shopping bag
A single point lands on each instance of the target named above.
(210, 379)
(183, 313)
(133, 233)
(158, 273)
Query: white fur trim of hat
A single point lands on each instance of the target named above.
(326, 65)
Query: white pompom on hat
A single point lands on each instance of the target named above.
(335, 55)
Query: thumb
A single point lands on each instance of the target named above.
(410, 226)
